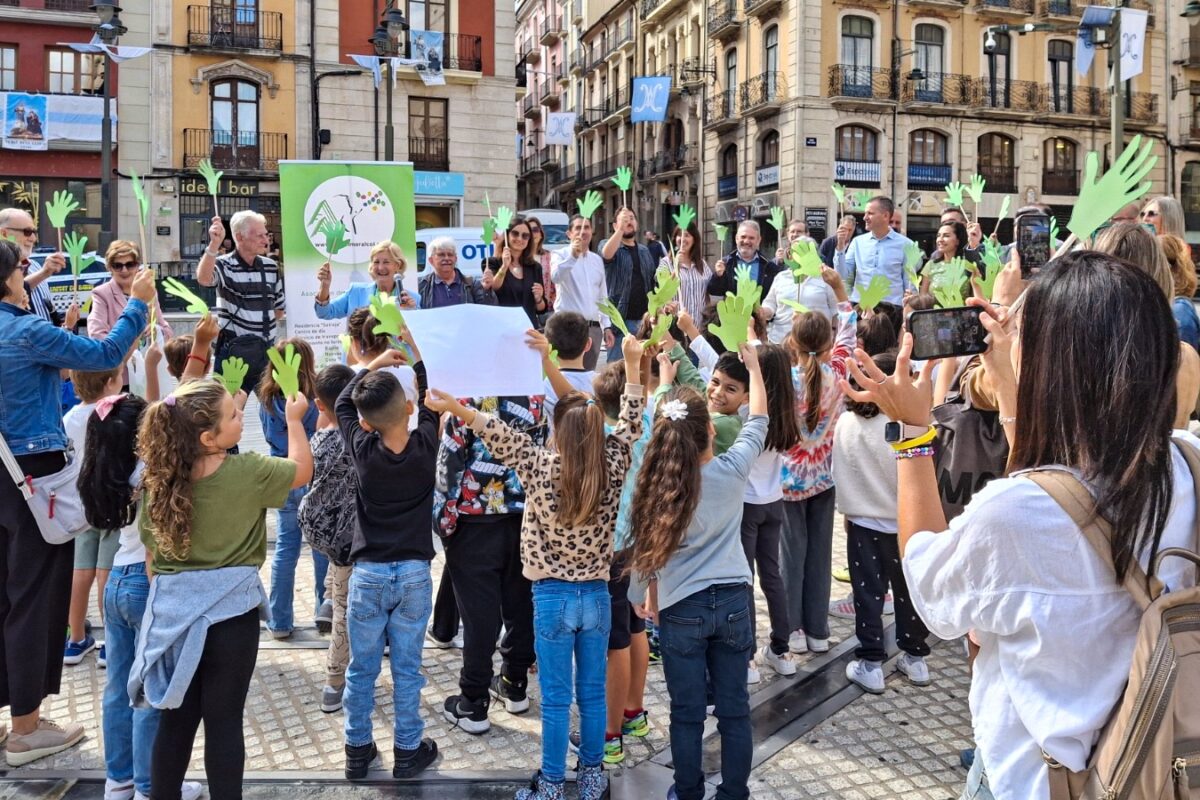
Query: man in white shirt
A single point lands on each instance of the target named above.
(879, 251)
(578, 276)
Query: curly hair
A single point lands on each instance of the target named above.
(811, 336)
(668, 484)
(1183, 269)
(109, 459)
(782, 431)
(169, 445)
(268, 389)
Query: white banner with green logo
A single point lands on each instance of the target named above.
(357, 204)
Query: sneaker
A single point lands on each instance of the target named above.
(407, 763)
(470, 716)
(867, 674)
(118, 790)
(324, 618)
(513, 695)
(753, 676)
(816, 645)
(614, 749)
(447, 644)
(637, 725)
(842, 575)
(782, 664)
(358, 760)
(540, 789)
(46, 740)
(188, 790)
(842, 609)
(797, 643)
(915, 669)
(101, 659)
(74, 652)
(591, 782)
(279, 635)
(889, 607)
(331, 698)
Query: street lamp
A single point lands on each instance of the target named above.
(386, 41)
(1192, 9)
(916, 75)
(108, 30)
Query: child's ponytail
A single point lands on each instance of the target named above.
(811, 336)
(668, 484)
(361, 328)
(109, 460)
(583, 470)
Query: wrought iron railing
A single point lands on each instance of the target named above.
(429, 154)
(868, 83)
(234, 150)
(999, 179)
(234, 28)
(722, 15)
(761, 90)
(1060, 181)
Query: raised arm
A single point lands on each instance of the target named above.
(298, 449)
(206, 270)
(509, 446)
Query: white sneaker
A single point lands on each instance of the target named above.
(118, 790)
(797, 642)
(189, 790)
(867, 674)
(915, 669)
(842, 609)
(753, 676)
(710, 710)
(816, 645)
(782, 664)
(889, 607)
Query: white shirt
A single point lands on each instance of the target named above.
(581, 379)
(408, 382)
(131, 550)
(864, 471)
(1056, 632)
(580, 284)
(812, 292)
(75, 423)
(764, 484)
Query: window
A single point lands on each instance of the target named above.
(768, 150)
(1062, 76)
(8, 68)
(927, 147)
(730, 79)
(428, 143)
(856, 143)
(428, 15)
(727, 180)
(1059, 175)
(997, 162)
(1189, 191)
(858, 58)
(999, 72)
(235, 142)
(929, 57)
(771, 59)
(69, 72)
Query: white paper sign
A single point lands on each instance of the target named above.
(1133, 42)
(473, 350)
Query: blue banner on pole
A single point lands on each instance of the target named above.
(650, 96)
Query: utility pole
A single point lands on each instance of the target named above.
(1117, 92)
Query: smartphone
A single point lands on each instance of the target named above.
(946, 333)
(1033, 243)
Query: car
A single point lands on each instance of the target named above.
(62, 285)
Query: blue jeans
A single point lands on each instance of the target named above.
(388, 602)
(977, 787)
(128, 732)
(708, 635)
(571, 622)
(283, 566)
(614, 354)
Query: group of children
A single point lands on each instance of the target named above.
(668, 480)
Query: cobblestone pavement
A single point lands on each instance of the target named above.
(903, 743)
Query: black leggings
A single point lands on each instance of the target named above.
(216, 695)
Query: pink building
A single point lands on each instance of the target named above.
(541, 48)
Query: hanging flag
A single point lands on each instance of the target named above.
(372, 64)
(560, 128)
(1085, 51)
(650, 96)
(116, 53)
(428, 51)
(1133, 42)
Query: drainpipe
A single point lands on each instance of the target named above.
(316, 104)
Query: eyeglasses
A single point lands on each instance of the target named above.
(125, 265)
(23, 231)
(518, 234)
(1150, 212)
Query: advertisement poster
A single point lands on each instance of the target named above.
(373, 201)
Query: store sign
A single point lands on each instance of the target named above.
(727, 186)
(856, 171)
(810, 141)
(766, 176)
(816, 219)
(228, 187)
(439, 184)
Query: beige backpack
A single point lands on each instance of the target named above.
(1150, 747)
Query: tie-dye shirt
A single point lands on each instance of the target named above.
(808, 467)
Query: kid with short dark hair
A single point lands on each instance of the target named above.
(728, 390)
(568, 334)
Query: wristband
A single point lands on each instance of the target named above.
(919, 441)
(1007, 420)
(208, 252)
(203, 361)
(924, 451)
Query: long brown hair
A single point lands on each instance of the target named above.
(582, 467)
(812, 335)
(1099, 358)
(668, 484)
(540, 234)
(696, 255)
(528, 258)
(361, 328)
(169, 445)
(782, 431)
(268, 389)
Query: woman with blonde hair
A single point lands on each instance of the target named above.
(387, 267)
(123, 260)
(1166, 215)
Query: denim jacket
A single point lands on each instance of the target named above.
(32, 351)
(618, 274)
(274, 424)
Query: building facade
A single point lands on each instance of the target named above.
(1182, 93)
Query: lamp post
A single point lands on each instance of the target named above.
(386, 41)
(108, 30)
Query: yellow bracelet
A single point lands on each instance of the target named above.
(924, 439)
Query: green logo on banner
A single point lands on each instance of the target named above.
(356, 203)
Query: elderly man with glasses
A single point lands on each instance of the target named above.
(18, 226)
(123, 262)
(445, 285)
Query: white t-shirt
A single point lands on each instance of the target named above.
(75, 423)
(131, 549)
(1056, 632)
(408, 382)
(765, 482)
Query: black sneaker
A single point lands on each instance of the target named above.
(469, 715)
(513, 694)
(410, 762)
(358, 759)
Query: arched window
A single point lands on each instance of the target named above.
(927, 147)
(929, 56)
(998, 161)
(730, 79)
(1059, 175)
(771, 59)
(234, 106)
(727, 181)
(999, 72)
(856, 143)
(768, 150)
(1189, 194)
(1062, 76)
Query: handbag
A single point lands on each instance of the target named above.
(971, 446)
(53, 499)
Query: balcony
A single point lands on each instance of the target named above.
(1142, 107)
(1018, 96)
(1190, 52)
(690, 71)
(234, 29)
(1000, 180)
(1079, 100)
(584, 123)
(551, 95)
(577, 61)
(723, 22)
(552, 30)
(719, 111)
(560, 73)
(1061, 8)
(758, 8)
(464, 52)
(1060, 181)
(596, 55)
(940, 4)
(621, 39)
(616, 105)
(530, 164)
(859, 87)
(429, 155)
(548, 158)
(856, 173)
(1189, 128)
(654, 10)
(531, 104)
(929, 176)
(940, 88)
(531, 52)
(82, 6)
(599, 170)
(239, 151)
(1014, 9)
(674, 160)
(763, 94)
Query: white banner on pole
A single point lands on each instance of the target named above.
(560, 128)
(1133, 42)
(463, 363)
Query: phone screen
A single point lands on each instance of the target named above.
(947, 332)
(1033, 242)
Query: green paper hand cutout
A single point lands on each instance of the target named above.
(685, 217)
(61, 207)
(777, 221)
(664, 292)
(195, 303)
(609, 310)
(623, 178)
(733, 313)
(87, 309)
(75, 245)
(344, 340)
(839, 192)
(211, 176)
(873, 295)
(661, 326)
(947, 286)
(489, 230)
(387, 315)
(912, 260)
(722, 231)
(991, 268)
(139, 191)
(805, 260)
(589, 204)
(975, 190)
(554, 357)
(746, 287)
(287, 370)
(335, 236)
(233, 372)
(1053, 231)
(861, 199)
(1121, 185)
(954, 194)
(504, 218)
(799, 308)
(1004, 208)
